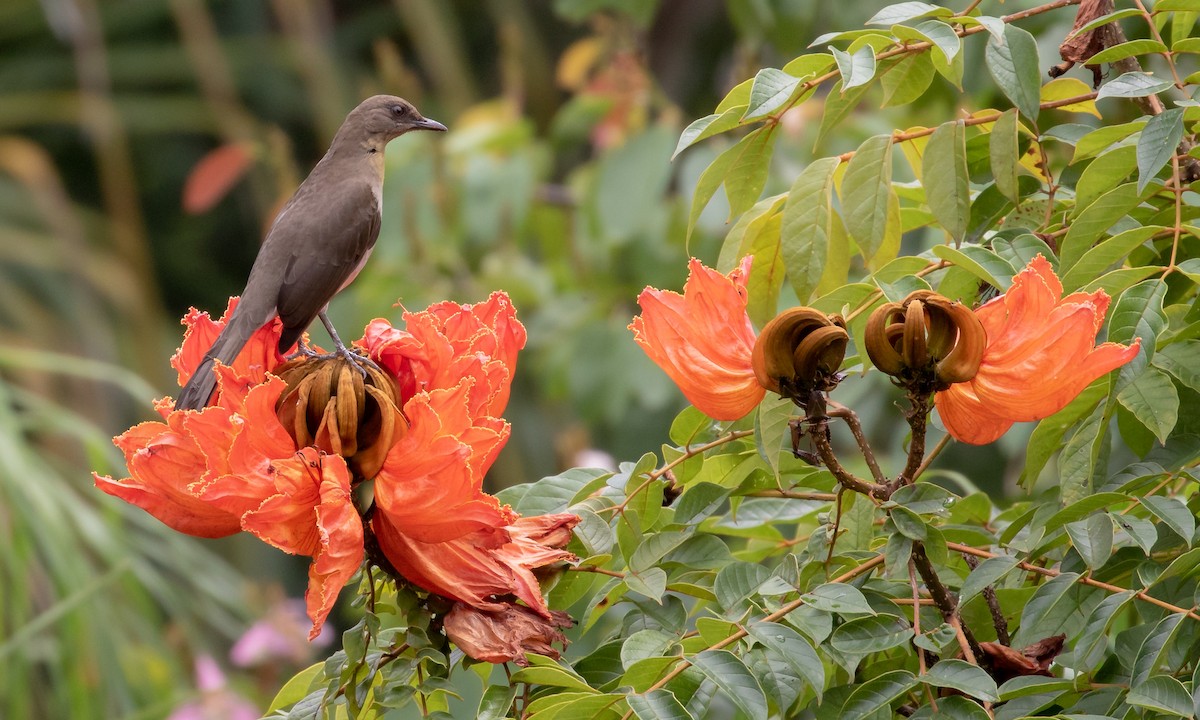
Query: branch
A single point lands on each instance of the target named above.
(945, 601)
(1082, 579)
(820, 436)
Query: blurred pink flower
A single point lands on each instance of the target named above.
(216, 701)
(282, 634)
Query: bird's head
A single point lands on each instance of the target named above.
(388, 116)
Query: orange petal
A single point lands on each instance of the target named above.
(164, 465)
(966, 418)
(703, 340)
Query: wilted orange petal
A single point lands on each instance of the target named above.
(703, 340)
(505, 634)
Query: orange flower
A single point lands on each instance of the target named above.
(235, 466)
(703, 339)
(1040, 354)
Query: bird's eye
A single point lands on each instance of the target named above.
(398, 110)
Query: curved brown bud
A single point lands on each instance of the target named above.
(961, 362)
(799, 352)
(926, 341)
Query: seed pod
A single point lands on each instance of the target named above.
(927, 341)
(799, 352)
(342, 408)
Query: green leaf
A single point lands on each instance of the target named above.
(1081, 455)
(944, 169)
(496, 702)
(980, 262)
(654, 548)
(838, 598)
(857, 69)
(1091, 648)
(944, 38)
(1103, 138)
(1124, 50)
(1104, 20)
(1014, 66)
(1181, 359)
(986, 573)
(652, 583)
(1047, 611)
(838, 104)
(1158, 144)
(298, 687)
(711, 179)
(1096, 260)
(736, 583)
(660, 704)
(551, 674)
(1173, 513)
(905, 11)
(772, 89)
(873, 633)
(877, 693)
(1163, 6)
(793, 648)
(1005, 155)
(1133, 84)
(1104, 173)
(708, 126)
(1095, 220)
(962, 676)
(733, 679)
(1138, 313)
(807, 230)
(748, 172)
(767, 271)
(1152, 654)
(1153, 400)
(1162, 693)
(1082, 508)
(908, 523)
(867, 192)
(771, 428)
(1093, 539)
(908, 80)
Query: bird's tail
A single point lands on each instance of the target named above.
(199, 389)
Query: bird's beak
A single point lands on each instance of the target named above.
(427, 124)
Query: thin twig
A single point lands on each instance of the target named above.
(932, 455)
(999, 622)
(820, 436)
(945, 601)
(841, 411)
(688, 454)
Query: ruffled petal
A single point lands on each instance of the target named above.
(703, 340)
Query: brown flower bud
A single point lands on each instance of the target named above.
(342, 409)
(926, 341)
(799, 352)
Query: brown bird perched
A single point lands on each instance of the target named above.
(319, 240)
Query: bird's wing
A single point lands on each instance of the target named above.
(330, 238)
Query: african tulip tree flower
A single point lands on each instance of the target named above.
(1041, 353)
(703, 339)
(286, 441)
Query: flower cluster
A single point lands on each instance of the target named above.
(286, 445)
(1021, 357)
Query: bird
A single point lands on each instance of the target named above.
(318, 242)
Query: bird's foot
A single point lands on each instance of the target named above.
(302, 350)
(357, 357)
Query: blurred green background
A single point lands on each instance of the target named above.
(555, 184)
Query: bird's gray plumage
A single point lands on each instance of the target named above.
(318, 241)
